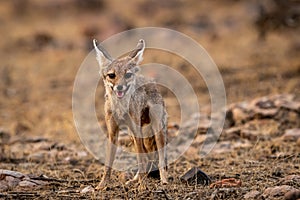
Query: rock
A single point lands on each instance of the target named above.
(265, 113)
(294, 106)
(195, 176)
(241, 144)
(232, 133)
(27, 183)
(3, 186)
(236, 114)
(277, 191)
(14, 174)
(263, 107)
(292, 195)
(252, 194)
(291, 180)
(11, 181)
(87, 189)
(81, 154)
(36, 182)
(263, 129)
(291, 135)
(280, 100)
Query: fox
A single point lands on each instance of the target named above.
(134, 101)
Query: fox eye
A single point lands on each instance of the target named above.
(112, 75)
(128, 75)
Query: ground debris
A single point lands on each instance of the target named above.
(195, 176)
(10, 179)
(277, 191)
(253, 194)
(87, 189)
(291, 180)
(261, 108)
(293, 194)
(291, 135)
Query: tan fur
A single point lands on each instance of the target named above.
(134, 101)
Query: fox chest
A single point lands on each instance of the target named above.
(128, 113)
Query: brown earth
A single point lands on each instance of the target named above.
(256, 47)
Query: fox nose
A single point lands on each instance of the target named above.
(119, 87)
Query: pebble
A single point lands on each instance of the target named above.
(27, 183)
(292, 195)
(252, 194)
(11, 181)
(87, 189)
(277, 191)
(291, 135)
(291, 180)
(195, 175)
(15, 174)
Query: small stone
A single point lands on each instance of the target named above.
(37, 182)
(263, 107)
(81, 154)
(281, 99)
(87, 189)
(239, 114)
(277, 191)
(11, 181)
(265, 113)
(242, 144)
(27, 183)
(291, 135)
(195, 175)
(292, 195)
(252, 194)
(11, 173)
(291, 180)
(263, 129)
(295, 106)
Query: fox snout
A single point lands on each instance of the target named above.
(120, 90)
(119, 87)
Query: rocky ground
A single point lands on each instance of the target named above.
(255, 46)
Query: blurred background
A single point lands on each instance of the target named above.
(255, 44)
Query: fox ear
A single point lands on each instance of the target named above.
(103, 58)
(137, 53)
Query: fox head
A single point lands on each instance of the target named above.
(119, 75)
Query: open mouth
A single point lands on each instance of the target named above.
(121, 94)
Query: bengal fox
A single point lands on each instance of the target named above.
(134, 101)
